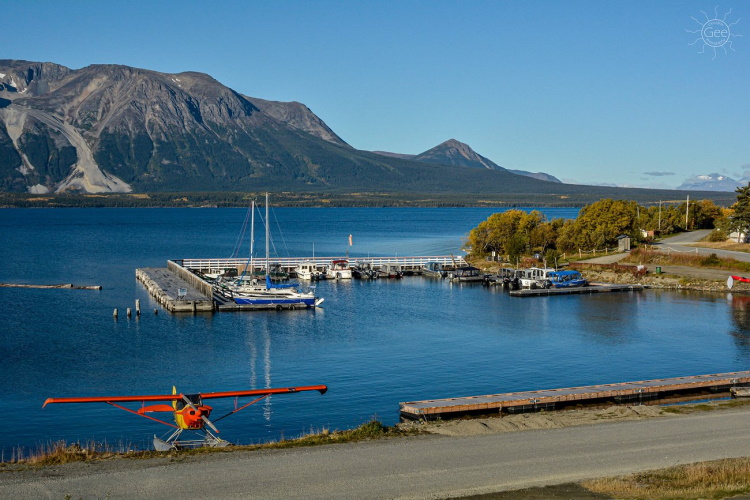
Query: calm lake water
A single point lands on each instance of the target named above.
(374, 343)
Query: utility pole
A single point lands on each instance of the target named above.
(687, 211)
(659, 216)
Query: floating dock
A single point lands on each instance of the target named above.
(592, 288)
(550, 399)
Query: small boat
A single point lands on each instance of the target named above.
(504, 277)
(364, 272)
(466, 274)
(339, 270)
(215, 274)
(566, 279)
(433, 270)
(390, 271)
(534, 277)
(308, 271)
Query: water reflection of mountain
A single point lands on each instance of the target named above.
(741, 318)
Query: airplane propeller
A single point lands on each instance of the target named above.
(203, 417)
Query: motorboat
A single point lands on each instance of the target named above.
(364, 271)
(309, 271)
(466, 274)
(534, 277)
(389, 270)
(566, 279)
(339, 270)
(433, 270)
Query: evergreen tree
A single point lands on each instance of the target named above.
(740, 221)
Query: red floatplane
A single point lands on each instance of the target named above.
(188, 411)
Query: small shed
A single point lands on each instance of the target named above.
(623, 243)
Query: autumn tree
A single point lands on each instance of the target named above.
(504, 231)
(598, 225)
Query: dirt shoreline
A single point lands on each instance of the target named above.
(556, 419)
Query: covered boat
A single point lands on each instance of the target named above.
(466, 273)
(566, 279)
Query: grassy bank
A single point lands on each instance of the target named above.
(61, 452)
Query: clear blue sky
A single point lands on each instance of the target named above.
(589, 91)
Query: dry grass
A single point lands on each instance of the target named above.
(722, 245)
(711, 480)
(60, 452)
(654, 257)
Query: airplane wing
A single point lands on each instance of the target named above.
(114, 399)
(262, 392)
(176, 397)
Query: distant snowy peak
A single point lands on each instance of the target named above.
(710, 182)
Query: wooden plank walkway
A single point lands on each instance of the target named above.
(592, 288)
(556, 398)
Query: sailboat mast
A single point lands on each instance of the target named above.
(268, 269)
(252, 237)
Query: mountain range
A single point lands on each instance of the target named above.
(453, 152)
(116, 129)
(712, 182)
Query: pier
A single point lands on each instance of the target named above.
(173, 292)
(551, 399)
(592, 288)
(180, 287)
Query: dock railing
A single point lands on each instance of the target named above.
(292, 262)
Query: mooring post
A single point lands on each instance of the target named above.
(156, 311)
(129, 312)
(138, 307)
(114, 314)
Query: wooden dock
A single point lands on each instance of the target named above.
(550, 399)
(592, 288)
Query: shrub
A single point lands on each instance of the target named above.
(717, 235)
(711, 260)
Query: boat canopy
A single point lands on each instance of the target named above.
(271, 284)
(564, 275)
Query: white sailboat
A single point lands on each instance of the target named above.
(269, 294)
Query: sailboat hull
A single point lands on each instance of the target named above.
(278, 301)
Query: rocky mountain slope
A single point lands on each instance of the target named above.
(118, 129)
(109, 128)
